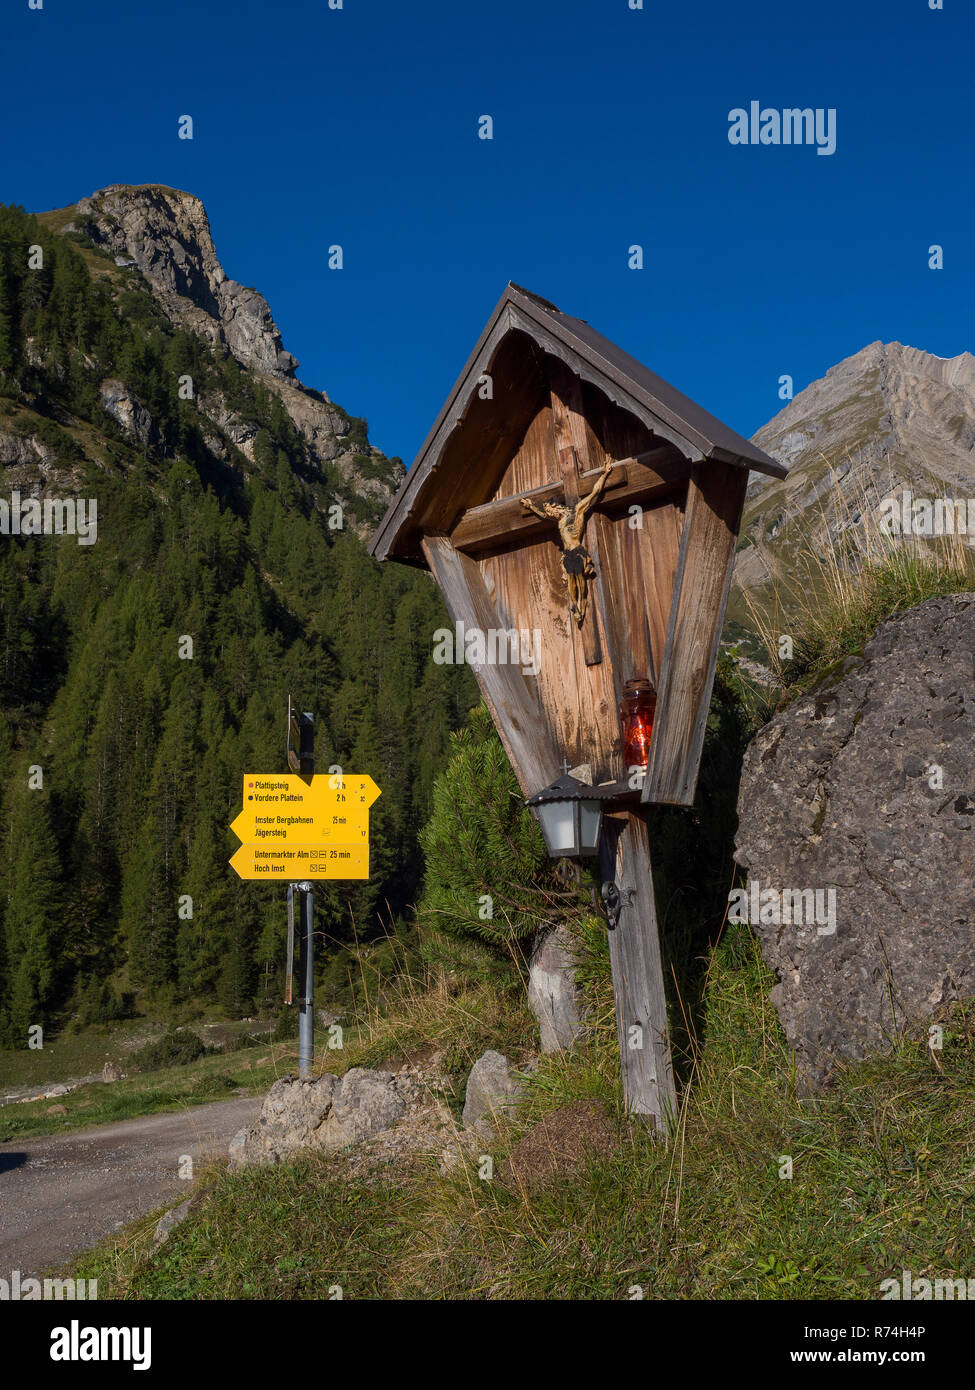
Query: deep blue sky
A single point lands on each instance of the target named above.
(358, 126)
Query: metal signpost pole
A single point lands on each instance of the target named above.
(289, 970)
(301, 758)
(306, 1012)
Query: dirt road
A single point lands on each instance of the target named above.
(60, 1194)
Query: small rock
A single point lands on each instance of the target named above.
(552, 991)
(56, 1110)
(367, 1102)
(111, 1071)
(238, 1147)
(328, 1113)
(171, 1219)
(491, 1090)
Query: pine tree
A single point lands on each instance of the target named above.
(33, 923)
(487, 872)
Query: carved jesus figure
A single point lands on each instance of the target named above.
(577, 565)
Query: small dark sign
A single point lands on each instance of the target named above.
(301, 741)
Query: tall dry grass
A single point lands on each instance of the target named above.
(849, 575)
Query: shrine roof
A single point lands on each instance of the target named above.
(664, 410)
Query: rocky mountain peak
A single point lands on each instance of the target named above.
(161, 236)
(166, 234)
(889, 417)
(880, 398)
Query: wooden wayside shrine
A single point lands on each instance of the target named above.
(566, 489)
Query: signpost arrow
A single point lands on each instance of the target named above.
(257, 825)
(299, 827)
(292, 862)
(294, 811)
(289, 791)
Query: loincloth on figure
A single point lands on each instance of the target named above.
(578, 561)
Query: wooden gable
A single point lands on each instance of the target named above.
(544, 406)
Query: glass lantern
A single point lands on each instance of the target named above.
(637, 709)
(571, 816)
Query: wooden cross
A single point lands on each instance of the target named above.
(579, 563)
(570, 517)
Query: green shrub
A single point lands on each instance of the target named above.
(487, 871)
(176, 1048)
(286, 1026)
(98, 1003)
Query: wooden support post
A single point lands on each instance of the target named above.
(514, 707)
(638, 980)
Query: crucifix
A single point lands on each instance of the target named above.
(577, 564)
(571, 447)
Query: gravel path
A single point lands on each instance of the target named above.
(61, 1194)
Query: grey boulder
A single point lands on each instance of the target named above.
(324, 1114)
(492, 1091)
(863, 790)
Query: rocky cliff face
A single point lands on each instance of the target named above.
(887, 418)
(164, 235)
(859, 798)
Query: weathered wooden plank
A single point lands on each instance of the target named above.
(578, 700)
(490, 432)
(716, 496)
(626, 639)
(527, 587)
(657, 547)
(514, 708)
(633, 480)
(638, 979)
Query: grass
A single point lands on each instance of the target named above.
(844, 588)
(882, 1166)
(81, 1051)
(68, 1054)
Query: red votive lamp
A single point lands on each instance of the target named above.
(637, 709)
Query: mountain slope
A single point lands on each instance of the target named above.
(160, 237)
(887, 418)
(142, 675)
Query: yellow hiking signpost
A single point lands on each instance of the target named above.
(297, 827)
(307, 812)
